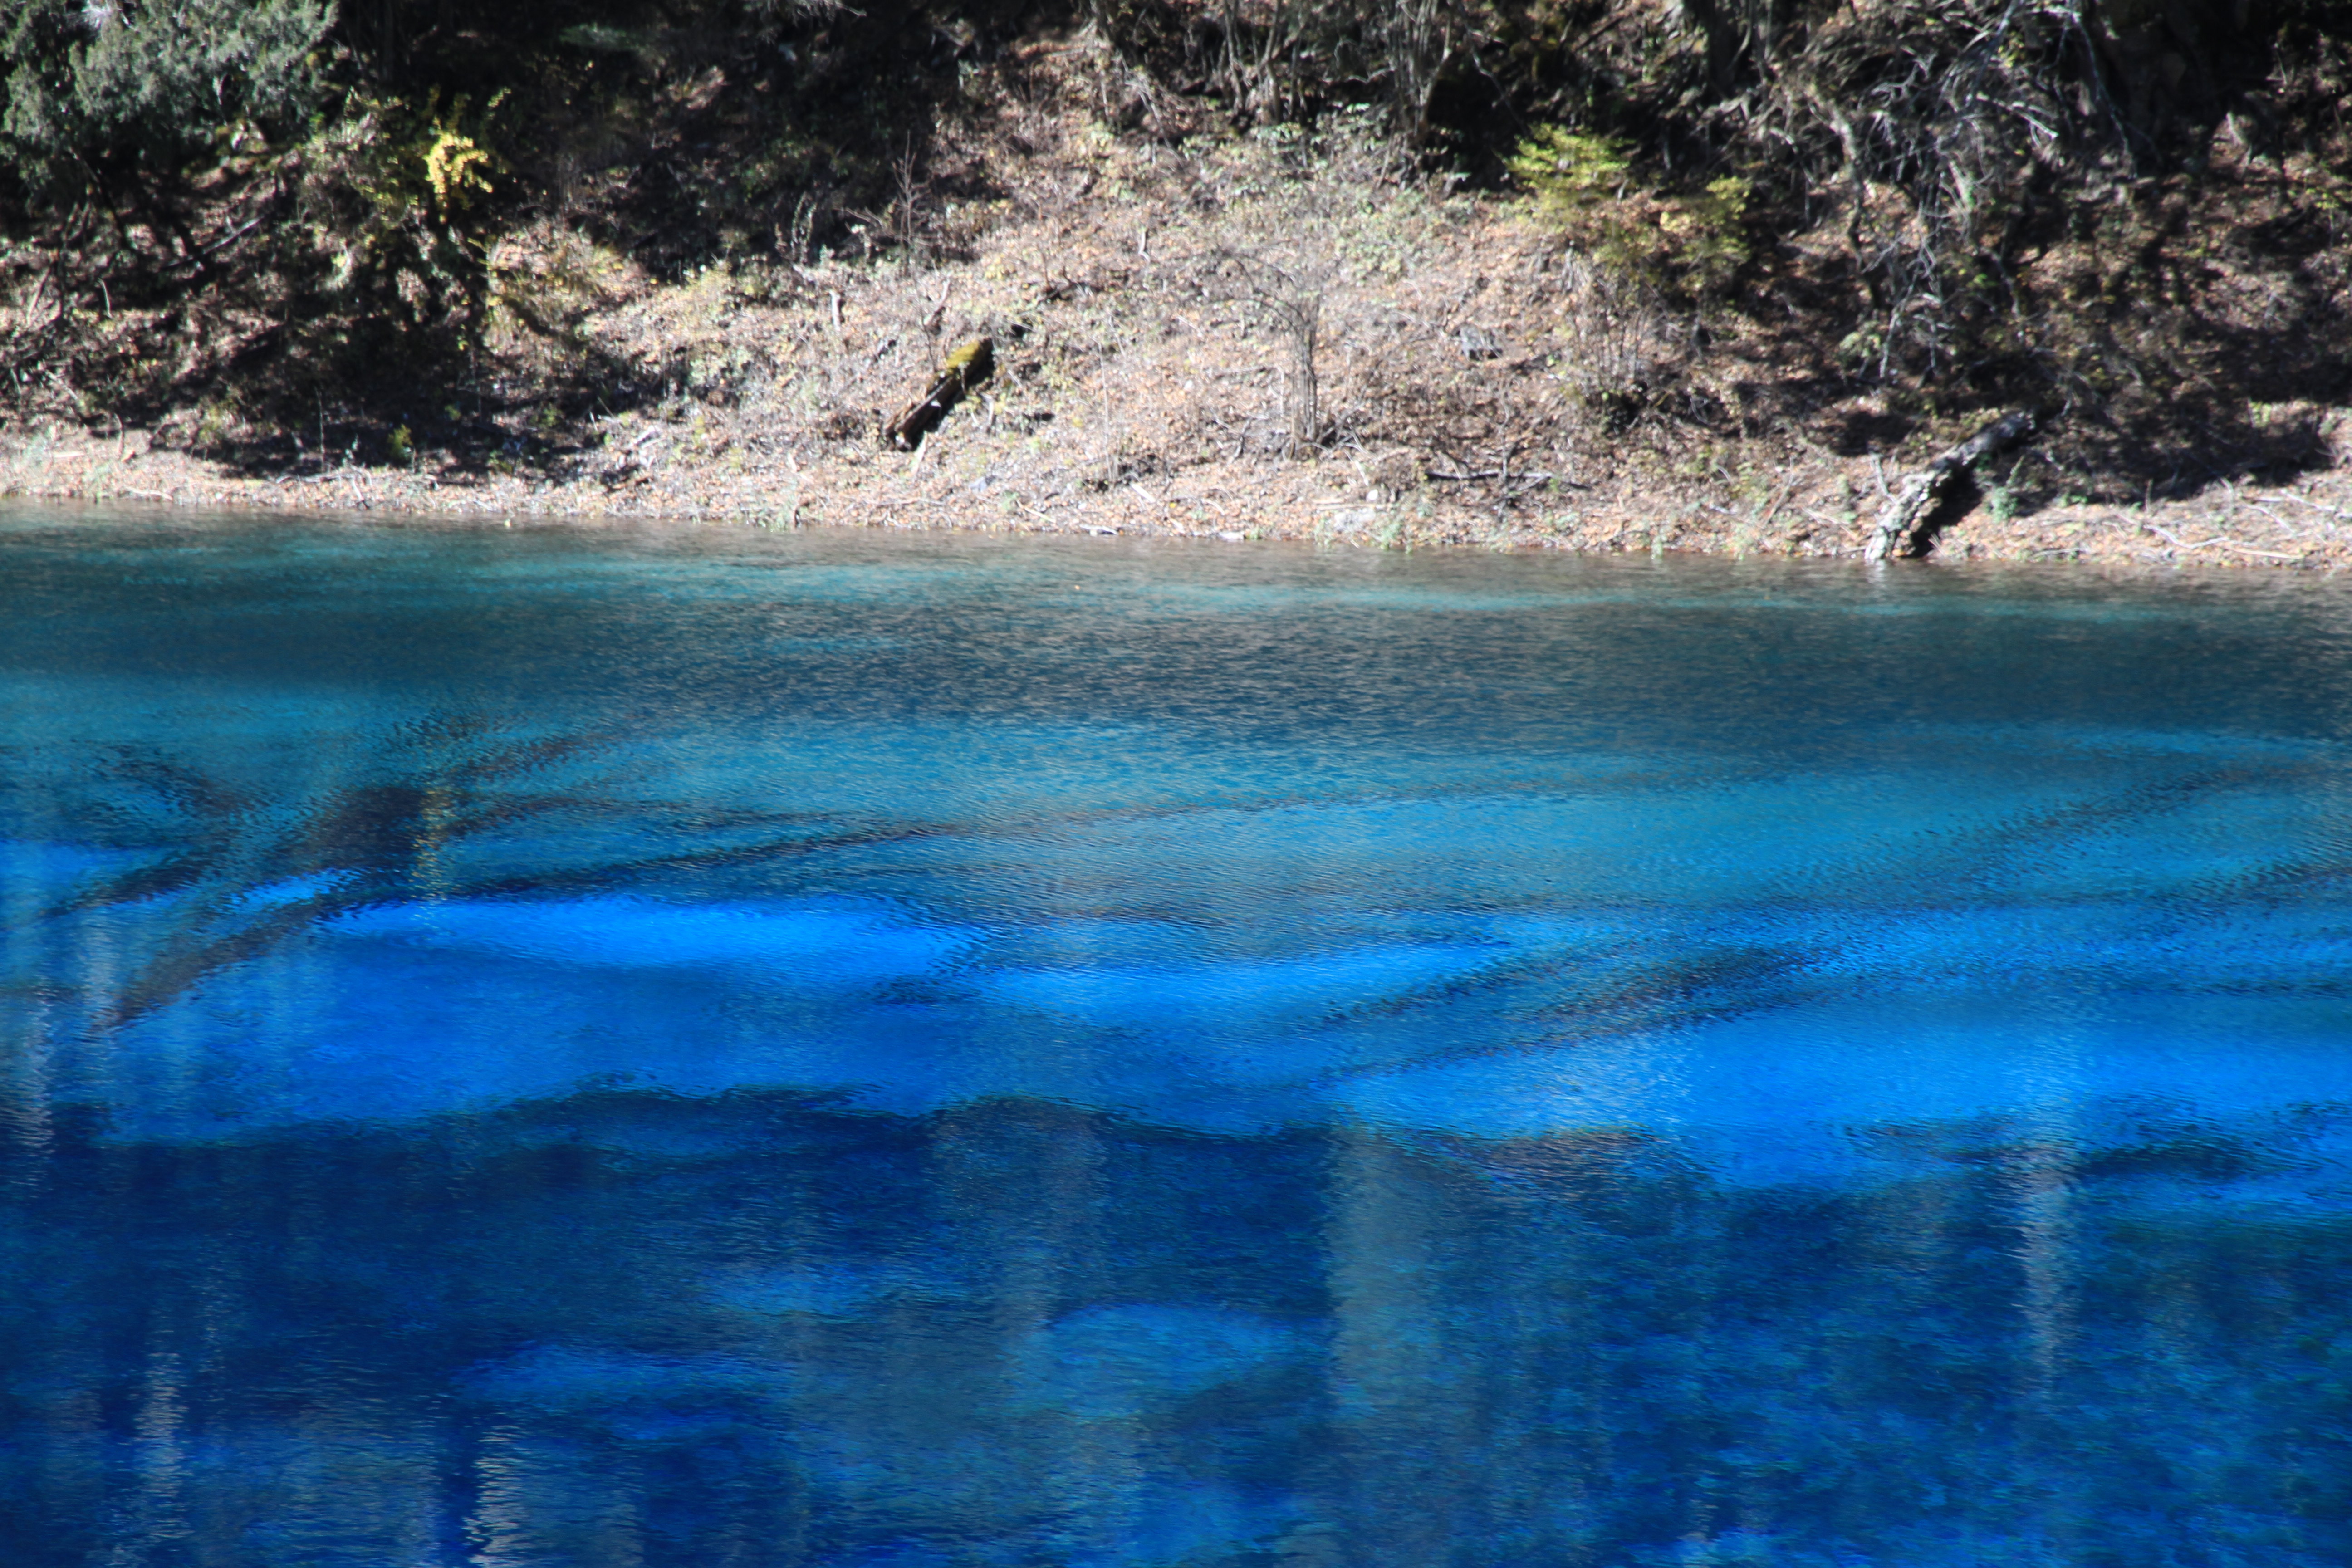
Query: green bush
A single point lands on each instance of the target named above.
(1693, 242)
(393, 200)
(124, 98)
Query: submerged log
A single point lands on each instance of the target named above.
(1898, 530)
(966, 369)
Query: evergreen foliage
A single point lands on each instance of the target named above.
(114, 98)
(1688, 243)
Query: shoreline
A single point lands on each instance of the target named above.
(2305, 525)
(1198, 327)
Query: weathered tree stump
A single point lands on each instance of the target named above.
(970, 365)
(1897, 530)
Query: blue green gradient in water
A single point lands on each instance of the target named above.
(539, 1047)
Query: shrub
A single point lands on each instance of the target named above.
(1692, 243)
(390, 200)
(122, 99)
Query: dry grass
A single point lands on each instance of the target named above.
(1476, 385)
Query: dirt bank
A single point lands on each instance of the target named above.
(1824, 506)
(1199, 331)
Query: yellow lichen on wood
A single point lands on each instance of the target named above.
(969, 366)
(980, 351)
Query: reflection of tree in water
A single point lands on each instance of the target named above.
(1839, 929)
(400, 814)
(249, 863)
(446, 807)
(451, 808)
(628, 1327)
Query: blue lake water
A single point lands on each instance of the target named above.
(706, 1050)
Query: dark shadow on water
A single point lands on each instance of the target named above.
(761, 1328)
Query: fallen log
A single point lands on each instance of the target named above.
(1897, 530)
(966, 369)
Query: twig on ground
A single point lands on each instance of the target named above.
(1526, 475)
(2217, 542)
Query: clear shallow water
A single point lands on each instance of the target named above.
(534, 1048)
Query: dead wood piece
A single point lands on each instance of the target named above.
(1898, 524)
(1514, 476)
(969, 366)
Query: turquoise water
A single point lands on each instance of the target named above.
(683, 1048)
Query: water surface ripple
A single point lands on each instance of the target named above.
(687, 1049)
